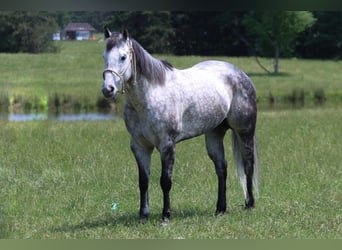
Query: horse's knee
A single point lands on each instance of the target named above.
(167, 153)
(221, 169)
(165, 181)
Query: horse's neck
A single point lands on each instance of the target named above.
(137, 93)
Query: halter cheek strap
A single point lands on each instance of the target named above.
(121, 73)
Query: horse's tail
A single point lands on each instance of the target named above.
(238, 152)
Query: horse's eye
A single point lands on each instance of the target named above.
(123, 58)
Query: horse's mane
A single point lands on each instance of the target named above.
(153, 69)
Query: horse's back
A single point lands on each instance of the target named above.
(235, 92)
(219, 76)
(205, 95)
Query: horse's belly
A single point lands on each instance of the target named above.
(199, 119)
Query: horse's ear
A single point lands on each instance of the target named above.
(107, 32)
(125, 34)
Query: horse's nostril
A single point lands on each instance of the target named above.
(108, 91)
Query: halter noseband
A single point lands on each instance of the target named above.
(120, 74)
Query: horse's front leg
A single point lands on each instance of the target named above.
(167, 153)
(142, 155)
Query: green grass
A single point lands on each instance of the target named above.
(58, 180)
(77, 71)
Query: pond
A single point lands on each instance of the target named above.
(58, 117)
(57, 107)
(64, 107)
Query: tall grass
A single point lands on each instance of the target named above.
(58, 180)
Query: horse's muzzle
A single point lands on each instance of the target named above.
(108, 91)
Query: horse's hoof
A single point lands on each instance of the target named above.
(143, 220)
(249, 205)
(219, 213)
(248, 208)
(165, 222)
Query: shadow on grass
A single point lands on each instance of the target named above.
(128, 220)
(262, 74)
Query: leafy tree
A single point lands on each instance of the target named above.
(27, 32)
(160, 26)
(146, 26)
(324, 38)
(195, 32)
(96, 18)
(209, 33)
(62, 18)
(232, 33)
(275, 31)
(7, 27)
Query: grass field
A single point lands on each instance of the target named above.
(77, 71)
(58, 179)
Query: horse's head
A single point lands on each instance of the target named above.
(118, 60)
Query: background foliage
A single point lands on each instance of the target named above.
(275, 31)
(27, 32)
(179, 33)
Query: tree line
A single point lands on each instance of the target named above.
(303, 34)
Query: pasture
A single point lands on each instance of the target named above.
(77, 72)
(59, 179)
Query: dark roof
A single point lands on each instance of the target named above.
(79, 26)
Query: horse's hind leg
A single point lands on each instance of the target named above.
(215, 148)
(245, 156)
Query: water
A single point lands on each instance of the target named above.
(85, 117)
(59, 117)
(27, 117)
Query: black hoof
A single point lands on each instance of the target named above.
(220, 212)
(249, 205)
(165, 222)
(166, 215)
(143, 220)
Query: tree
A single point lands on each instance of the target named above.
(27, 32)
(196, 33)
(153, 29)
(275, 31)
(160, 26)
(324, 38)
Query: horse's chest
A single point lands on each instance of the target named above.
(148, 125)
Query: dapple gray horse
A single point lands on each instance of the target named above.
(165, 105)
